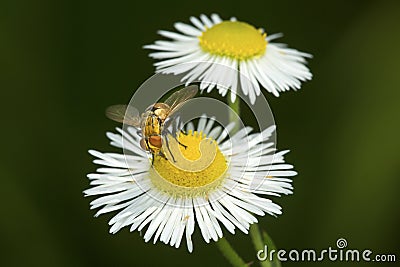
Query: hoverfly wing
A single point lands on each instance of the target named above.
(177, 99)
(117, 113)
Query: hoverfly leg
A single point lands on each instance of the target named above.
(167, 121)
(161, 154)
(169, 149)
(176, 139)
(185, 146)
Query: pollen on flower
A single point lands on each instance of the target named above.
(234, 39)
(194, 179)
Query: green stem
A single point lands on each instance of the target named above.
(234, 113)
(258, 243)
(223, 245)
(229, 253)
(271, 246)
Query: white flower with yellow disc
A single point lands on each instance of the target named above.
(168, 202)
(213, 51)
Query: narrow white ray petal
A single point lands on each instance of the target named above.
(253, 80)
(215, 132)
(113, 171)
(116, 198)
(139, 205)
(158, 223)
(190, 127)
(169, 227)
(225, 132)
(218, 207)
(206, 20)
(244, 82)
(201, 223)
(111, 208)
(209, 125)
(198, 69)
(128, 215)
(158, 207)
(229, 73)
(206, 77)
(202, 123)
(175, 36)
(178, 228)
(205, 206)
(274, 36)
(265, 81)
(244, 205)
(180, 60)
(197, 23)
(228, 225)
(170, 48)
(107, 189)
(180, 233)
(189, 225)
(163, 55)
(235, 83)
(213, 74)
(125, 157)
(187, 29)
(240, 214)
(216, 19)
(207, 219)
(138, 222)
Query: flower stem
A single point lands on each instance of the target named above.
(234, 113)
(223, 245)
(271, 246)
(258, 243)
(229, 253)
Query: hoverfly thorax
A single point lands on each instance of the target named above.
(161, 110)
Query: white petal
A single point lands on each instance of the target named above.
(206, 20)
(216, 19)
(187, 29)
(175, 36)
(197, 23)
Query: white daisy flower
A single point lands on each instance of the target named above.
(217, 49)
(170, 202)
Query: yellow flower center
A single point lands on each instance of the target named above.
(234, 39)
(199, 169)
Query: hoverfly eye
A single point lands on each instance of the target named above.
(143, 144)
(155, 140)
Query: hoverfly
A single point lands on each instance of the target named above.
(151, 124)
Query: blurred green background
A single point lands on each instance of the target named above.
(63, 62)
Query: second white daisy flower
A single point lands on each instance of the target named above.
(213, 51)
